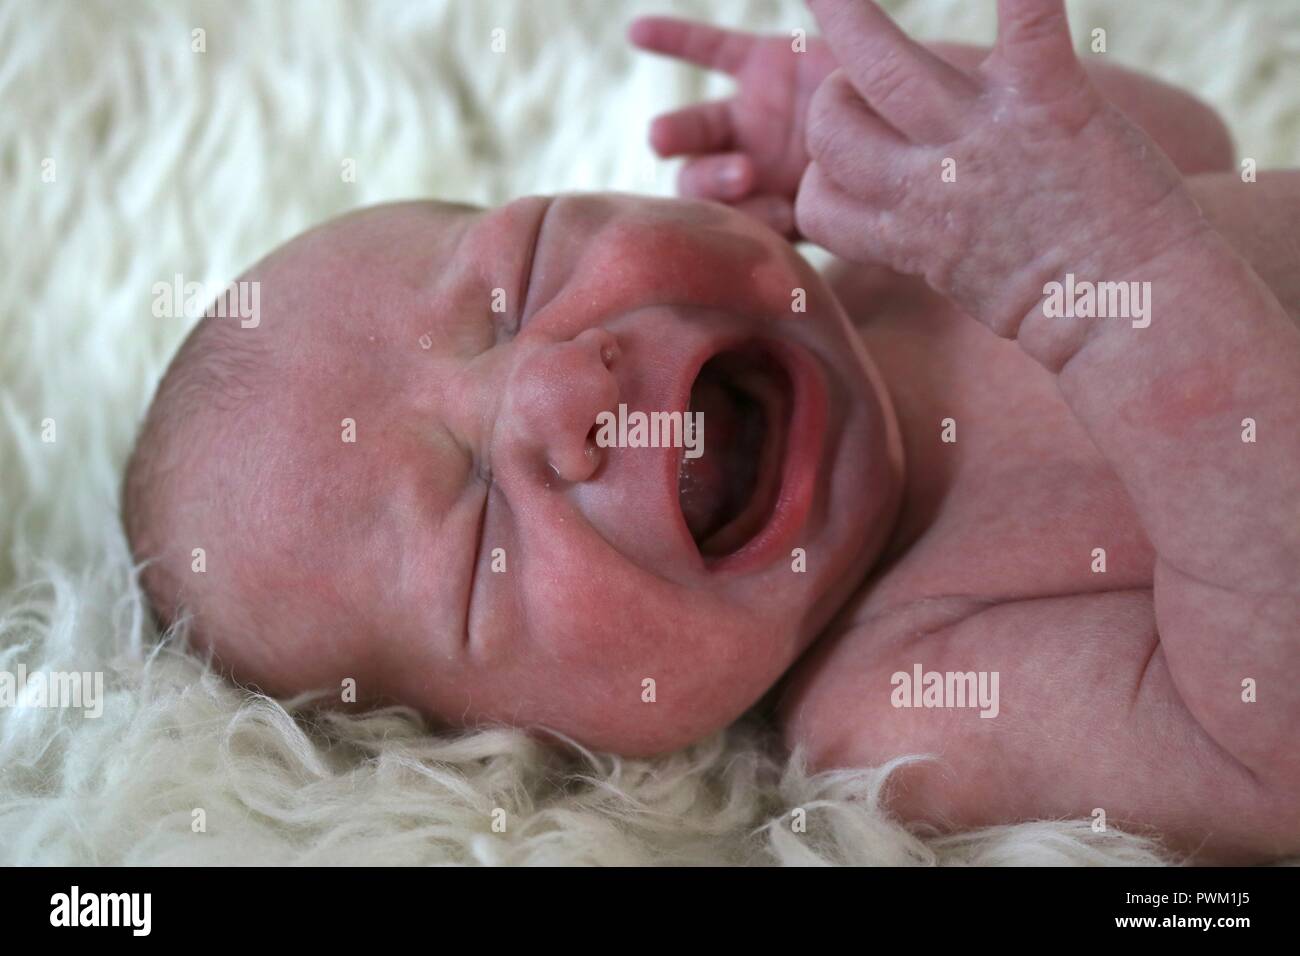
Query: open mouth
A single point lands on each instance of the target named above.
(728, 493)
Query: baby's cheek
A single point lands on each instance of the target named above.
(589, 616)
(602, 626)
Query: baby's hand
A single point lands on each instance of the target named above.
(746, 151)
(988, 183)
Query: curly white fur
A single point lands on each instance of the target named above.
(166, 161)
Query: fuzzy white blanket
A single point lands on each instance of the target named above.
(129, 157)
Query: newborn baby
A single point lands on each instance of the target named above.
(396, 481)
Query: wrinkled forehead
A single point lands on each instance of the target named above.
(371, 271)
(454, 277)
(625, 252)
(397, 239)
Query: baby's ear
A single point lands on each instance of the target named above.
(1034, 45)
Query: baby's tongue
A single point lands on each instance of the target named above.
(714, 486)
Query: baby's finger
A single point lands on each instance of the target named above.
(858, 150)
(702, 128)
(1034, 45)
(776, 212)
(708, 46)
(834, 220)
(926, 98)
(725, 177)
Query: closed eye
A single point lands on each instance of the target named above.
(476, 555)
(527, 280)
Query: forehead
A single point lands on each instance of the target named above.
(379, 277)
(452, 275)
(630, 251)
(454, 278)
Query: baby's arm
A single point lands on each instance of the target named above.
(1050, 180)
(1259, 219)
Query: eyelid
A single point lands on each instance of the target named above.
(482, 521)
(528, 265)
(476, 555)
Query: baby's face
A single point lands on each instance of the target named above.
(473, 552)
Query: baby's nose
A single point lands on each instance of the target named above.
(555, 398)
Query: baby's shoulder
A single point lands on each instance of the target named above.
(1052, 706)
(937, 674)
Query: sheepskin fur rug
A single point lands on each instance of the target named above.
(129, 156)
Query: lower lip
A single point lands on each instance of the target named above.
(799, 471)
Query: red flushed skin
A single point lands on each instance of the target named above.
(375, 559)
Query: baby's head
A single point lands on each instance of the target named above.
(394, 476)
